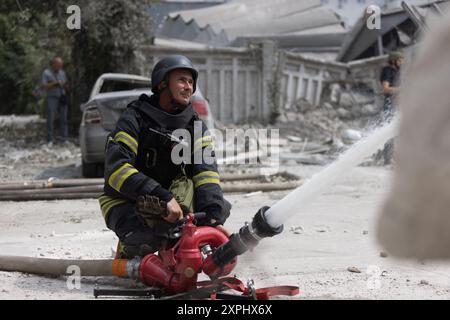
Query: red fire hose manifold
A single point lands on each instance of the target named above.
(176, 269)
(201, 249)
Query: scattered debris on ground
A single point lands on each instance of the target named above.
(353, 270)
(75, 229)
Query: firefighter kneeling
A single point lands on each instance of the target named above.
(138, 165)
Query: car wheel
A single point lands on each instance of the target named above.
(92, 170)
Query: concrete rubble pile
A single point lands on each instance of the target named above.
(346, 113)
(22, 146)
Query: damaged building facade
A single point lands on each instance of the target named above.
(251, 70)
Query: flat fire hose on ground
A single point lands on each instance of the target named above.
(173, 272)
(249, 291)
(214, 290)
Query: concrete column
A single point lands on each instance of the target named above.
(222, 97)
(319, 86)
(268, 49)
(237, 113)
(282, 94)
(290, 83)
(208, 79)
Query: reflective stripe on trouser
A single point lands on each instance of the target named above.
(206, 177)
(117, 179)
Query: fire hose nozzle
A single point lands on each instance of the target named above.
(247, 238)
(260, 228)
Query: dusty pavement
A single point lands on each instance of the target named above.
(320, 244)
(315, 252)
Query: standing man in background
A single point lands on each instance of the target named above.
(390, 76)
(54, 82)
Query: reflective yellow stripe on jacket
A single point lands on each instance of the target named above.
(126, 139)
(107, 203)
(202, 142)
(117, 179)
(206, 177)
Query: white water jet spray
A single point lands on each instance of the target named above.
(300, 197)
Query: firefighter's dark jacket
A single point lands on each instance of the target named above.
(138, 161)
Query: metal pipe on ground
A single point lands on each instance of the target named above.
(96, 191)
(261, 187)
(65, 183)
(39, 197)
(48, 184)
(257, 176)
(81, 189)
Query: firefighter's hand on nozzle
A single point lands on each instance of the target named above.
(174, 211)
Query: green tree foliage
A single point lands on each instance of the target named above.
(110, 33)
(23, 53)
(33, 32)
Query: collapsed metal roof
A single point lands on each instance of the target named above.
(159, 10)
(220, 25)
(397, 30)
